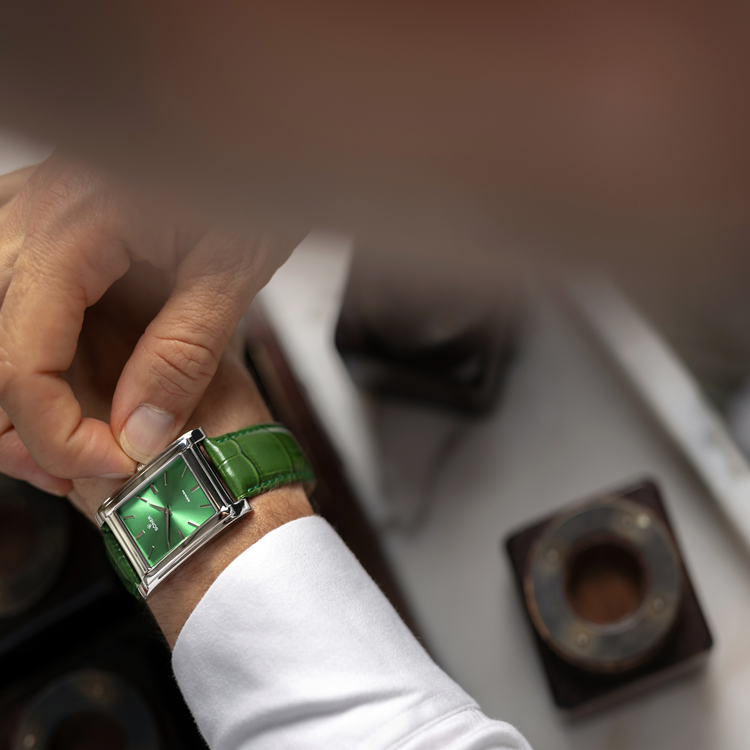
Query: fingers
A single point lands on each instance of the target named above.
(178, 354)
(70, 255)
(16, 461)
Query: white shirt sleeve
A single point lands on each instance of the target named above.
(294, 646)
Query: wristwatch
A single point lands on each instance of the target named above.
(188, 494)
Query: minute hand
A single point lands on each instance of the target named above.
(167, 514)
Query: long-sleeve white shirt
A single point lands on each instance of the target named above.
(294, 646)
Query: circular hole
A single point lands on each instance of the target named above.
(17, 538)
(88, 730)
(606, 582)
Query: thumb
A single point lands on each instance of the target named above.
(177, 356)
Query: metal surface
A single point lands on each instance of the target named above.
(625, 643)
(226, 508)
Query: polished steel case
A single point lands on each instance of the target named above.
(226, 509)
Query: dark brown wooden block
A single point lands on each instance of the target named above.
(577, 691)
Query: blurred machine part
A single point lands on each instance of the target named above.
(63, 614)
(420, 332)
(606, 590)
(87, 710)
(34, 537)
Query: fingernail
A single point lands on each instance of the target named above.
(117, 476)
(147, 432)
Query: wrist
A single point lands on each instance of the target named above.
(175, 599)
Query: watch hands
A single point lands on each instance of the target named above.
(167, 514)
(158, 507)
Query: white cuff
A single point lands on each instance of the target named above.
(294, 646)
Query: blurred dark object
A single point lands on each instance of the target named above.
(609, 599)
(62, 610)
(115, 691)
(51, 565)
(417, 334)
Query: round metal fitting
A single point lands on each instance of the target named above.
(90, 708)
(631, 531)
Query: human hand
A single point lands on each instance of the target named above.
(231, 401)
(65, 238)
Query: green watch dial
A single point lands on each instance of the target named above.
(166, 511)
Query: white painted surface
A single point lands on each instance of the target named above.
(16, 151)
(567, 427)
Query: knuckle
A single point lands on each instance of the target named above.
(183, 365)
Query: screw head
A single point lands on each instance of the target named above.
(658, 604)
(643, 521)
(582, 639)
(552, 556)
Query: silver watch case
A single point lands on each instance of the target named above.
(226, 509)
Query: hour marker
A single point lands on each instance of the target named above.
(125, 518)
(139, 534)
(165, 478)
(193, 524)
(142, 498)
(207, 505)
(197, 486)
(182, 536)
(153, 489)
(148, 556)
(183, 471)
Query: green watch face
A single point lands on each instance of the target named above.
(166, 512)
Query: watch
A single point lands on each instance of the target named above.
(188, 494)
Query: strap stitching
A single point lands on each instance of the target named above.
(256, 428)
(297, 476)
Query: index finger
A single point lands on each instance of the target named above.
(64, 266)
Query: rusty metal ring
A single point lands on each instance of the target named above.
(628, 642)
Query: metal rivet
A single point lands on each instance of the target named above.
(553, 556)
(29, 740)
(643, 521)
(658, 604)
(582, 639)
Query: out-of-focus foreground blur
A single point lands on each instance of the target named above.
(528, 287)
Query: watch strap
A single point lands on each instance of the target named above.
(125, 571)
(257, 459)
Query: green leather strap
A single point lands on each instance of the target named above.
(120, 562)
(258, 459)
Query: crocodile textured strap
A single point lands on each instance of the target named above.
(120, 562)
(258, 459)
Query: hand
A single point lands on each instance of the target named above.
(66, 238)
(231, 401)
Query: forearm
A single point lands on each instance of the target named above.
(231, 402)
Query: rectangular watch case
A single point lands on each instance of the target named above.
(226, 509)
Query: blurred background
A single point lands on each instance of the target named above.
(527, 287)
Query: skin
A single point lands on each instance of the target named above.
(230, 402)
(67, 233)
(555, 133)
(579, 130)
